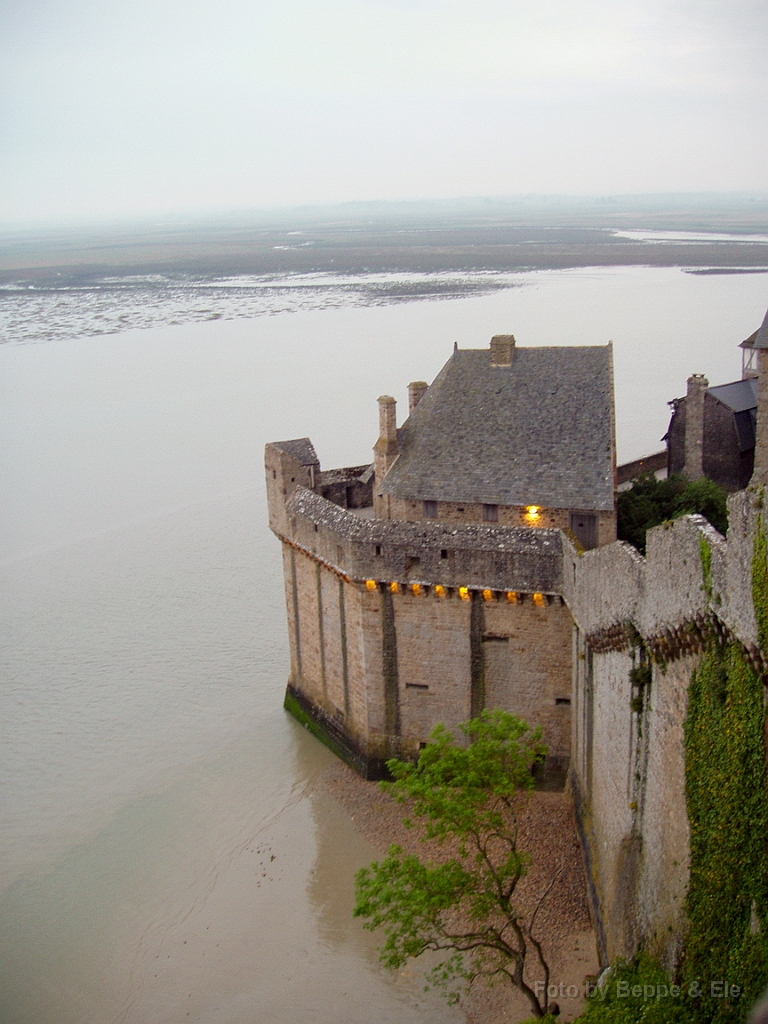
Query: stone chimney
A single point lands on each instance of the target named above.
(416, 391)
(385, 451)
(694, 426)
(502, 349)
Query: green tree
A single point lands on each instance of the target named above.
(650, 502)
(463, 902)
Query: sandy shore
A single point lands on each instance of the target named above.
(548, 833)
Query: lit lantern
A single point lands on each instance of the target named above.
(416, 589)
(394, 588)
(539, 600)
(532, 514)
(370, 584)
(440, 590)
(464, 593)
(512, 596)
(487, 595)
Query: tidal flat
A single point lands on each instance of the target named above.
(530, 233)
(149, 772)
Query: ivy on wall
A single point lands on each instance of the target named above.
(725, 961)
(727, 902)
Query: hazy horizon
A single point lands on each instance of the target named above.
(186, 108)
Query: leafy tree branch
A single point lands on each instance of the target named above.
(462, 796)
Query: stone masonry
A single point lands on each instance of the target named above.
(405, 620)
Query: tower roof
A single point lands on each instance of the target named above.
(536, 432)
(760, 338)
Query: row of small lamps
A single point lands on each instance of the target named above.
(419, 590)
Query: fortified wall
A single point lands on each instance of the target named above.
(398, 622)
(628, 764)
(394, 625)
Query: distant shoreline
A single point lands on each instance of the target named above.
(497, 240)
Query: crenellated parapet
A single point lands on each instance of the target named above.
(396, 625)
(690, 577)
(511, 559)
(642, 625)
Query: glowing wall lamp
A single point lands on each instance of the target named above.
(532, 514)
(440, 590)
(394, 588)
(416, 589)
(464, 593)
(539, 600)
(512, 596)
(370, 584)
(487, 595)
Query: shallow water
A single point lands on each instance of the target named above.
(147, 769)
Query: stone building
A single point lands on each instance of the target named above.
(429, 586)
(404, 619)
(517, 436)
(712, 431)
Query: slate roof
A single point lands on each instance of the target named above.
(761, 339)
(539, 432)
(741, 397)
(301, 448)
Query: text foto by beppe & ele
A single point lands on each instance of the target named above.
(624, 990)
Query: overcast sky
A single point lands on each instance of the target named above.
(145, 107)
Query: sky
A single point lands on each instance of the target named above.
(150, 107)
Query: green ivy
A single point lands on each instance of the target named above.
(633, 991)
(727, 800)
(705, 552)
(760, 583)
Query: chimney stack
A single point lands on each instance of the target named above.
(694, 426)
(502, 349)
(385, 451)
(416, 391)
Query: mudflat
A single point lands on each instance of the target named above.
(406, 238)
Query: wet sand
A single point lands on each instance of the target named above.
(495, 237)
(548, 834)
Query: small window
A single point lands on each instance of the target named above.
(378, 549)
(564, 701)
(429, 509)
(416, 686)
(443, 552)
(490, 513)
(459, 508)
(274, 474)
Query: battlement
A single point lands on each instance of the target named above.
(396, 625)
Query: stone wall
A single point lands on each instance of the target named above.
(396, 625)
(628, 766)
(382, 665)
(507, 515)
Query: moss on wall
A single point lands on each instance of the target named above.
(725, 960)
(727, 902)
